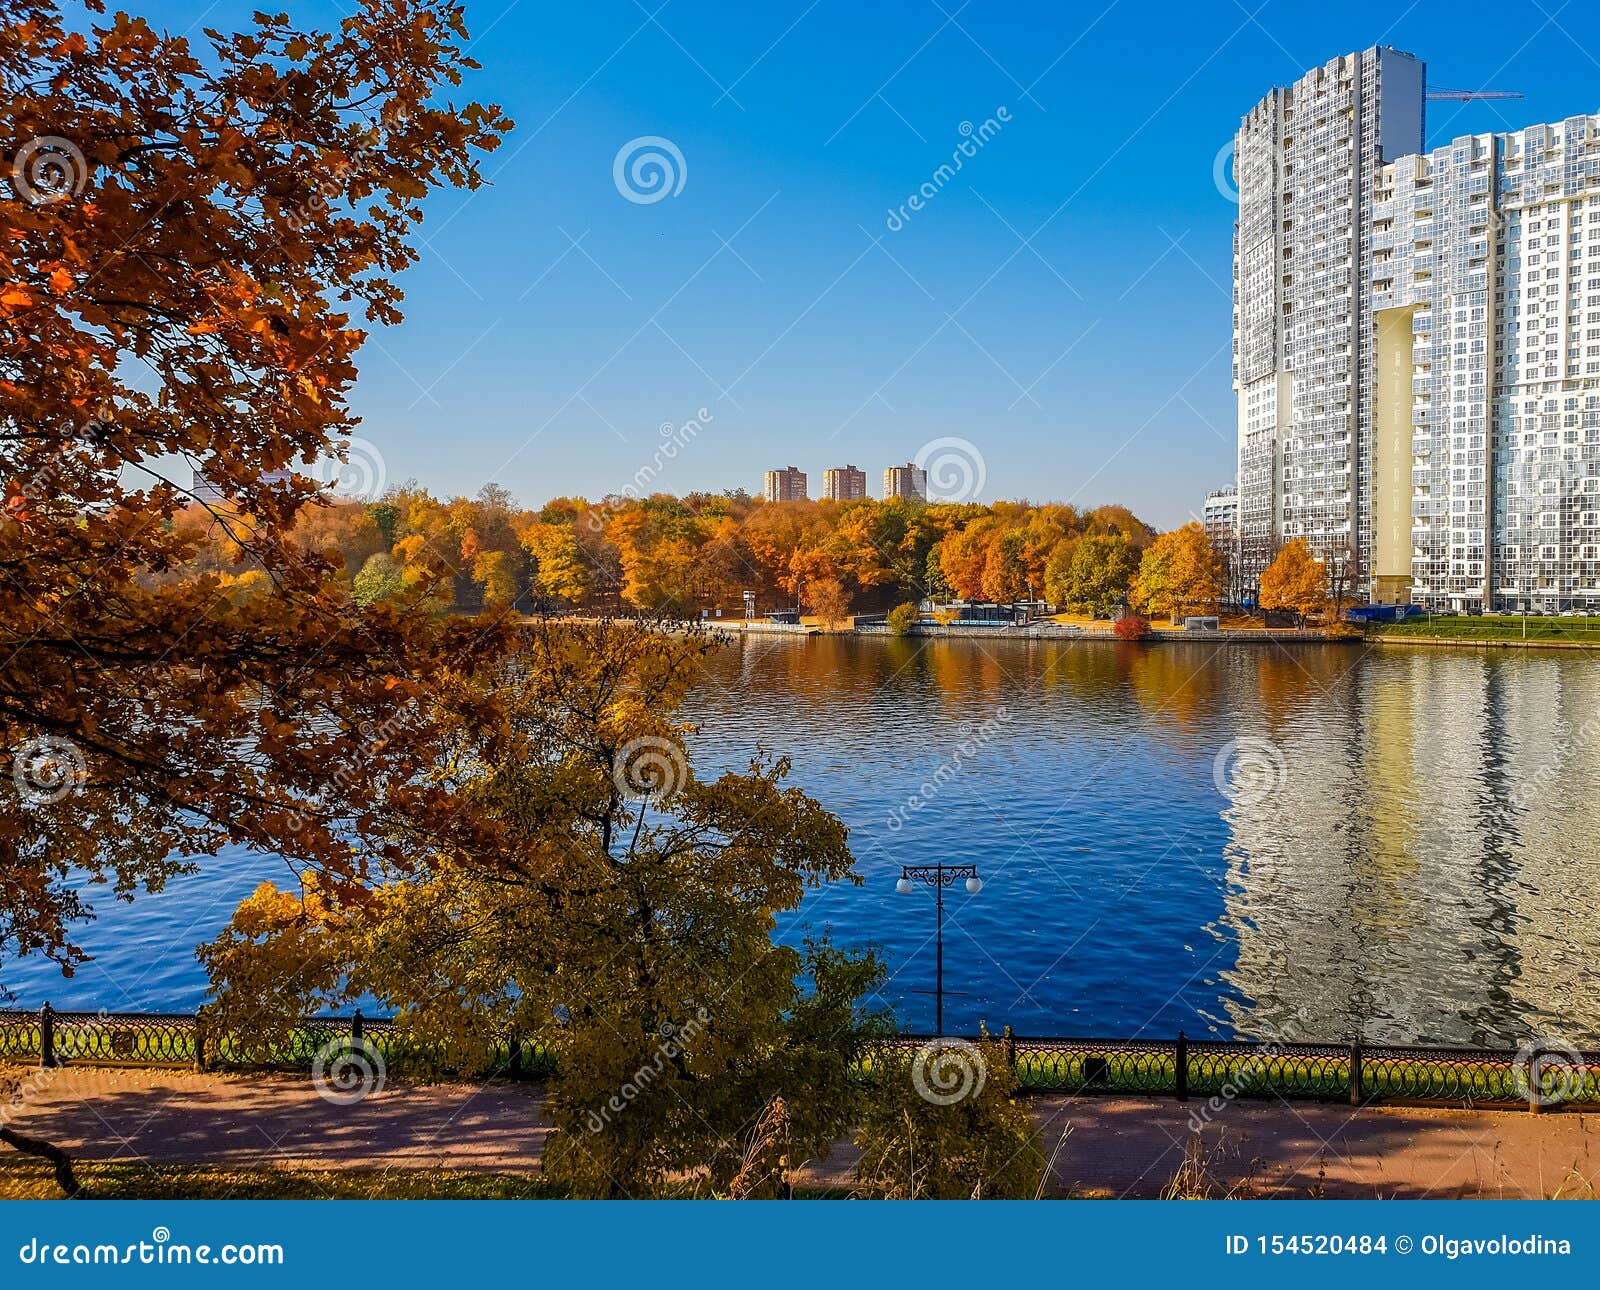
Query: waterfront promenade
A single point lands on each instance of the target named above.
(1113, 1146)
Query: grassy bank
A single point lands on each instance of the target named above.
(1544, 631)
(25, 1179)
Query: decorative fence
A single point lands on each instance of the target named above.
(182, 1039)
(1541, 1074)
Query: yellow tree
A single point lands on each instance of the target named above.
(616, 909)
(1179, 574)
(559, 568)
(1296, 581)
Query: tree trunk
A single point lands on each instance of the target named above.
(65, 1178)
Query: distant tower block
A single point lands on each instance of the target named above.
(786, 485)
(844, 484)
(908, 481)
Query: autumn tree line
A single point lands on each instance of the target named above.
(672, 555)
(677, 556)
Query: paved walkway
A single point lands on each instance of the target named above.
(1112, 1146)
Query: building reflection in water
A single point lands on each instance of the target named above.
(1425, 868)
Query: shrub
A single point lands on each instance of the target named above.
(944, 1123)
(1131, 627)
(902, 618)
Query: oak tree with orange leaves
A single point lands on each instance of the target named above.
(195, 239)
(1296, 580)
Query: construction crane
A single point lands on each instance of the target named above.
(1467, 96)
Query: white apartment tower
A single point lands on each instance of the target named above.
(1306, 161)
(1487, 302)
(1417, 344)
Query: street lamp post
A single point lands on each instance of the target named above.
(939, 876)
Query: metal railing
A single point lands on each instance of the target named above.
(55, 1038)
(1534, 1076)
(1539, 1075)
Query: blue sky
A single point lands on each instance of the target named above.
(1062, 302)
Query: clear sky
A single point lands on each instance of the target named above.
(1061, 302)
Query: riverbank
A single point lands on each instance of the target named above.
(1103, 632)
(422, 1139)
(1496, 632)
(1459, 642)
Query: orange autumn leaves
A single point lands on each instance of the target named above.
(191, 231)
(704, 551)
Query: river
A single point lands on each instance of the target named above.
(1263, 841)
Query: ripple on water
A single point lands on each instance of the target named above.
(1412, 851)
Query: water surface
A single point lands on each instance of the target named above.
(1264, 841)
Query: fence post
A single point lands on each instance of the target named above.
(47, 1036)
(1011, 1051)
(514, 1062)
(355, 1028)
(1183, 1067)
(199, 1039)
(1534, 1080)
(1357, 1075)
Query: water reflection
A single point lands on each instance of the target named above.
(1423, 870)
(1424, 867)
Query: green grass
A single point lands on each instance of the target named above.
(25, 1179)
(173, 1044)
(1401, 1079)
(1495, 627)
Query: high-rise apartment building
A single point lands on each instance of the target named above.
(1417, 344)
(1306, 161)
(844, 484)
(1487, 424)
(786, 485)
(908, 480)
